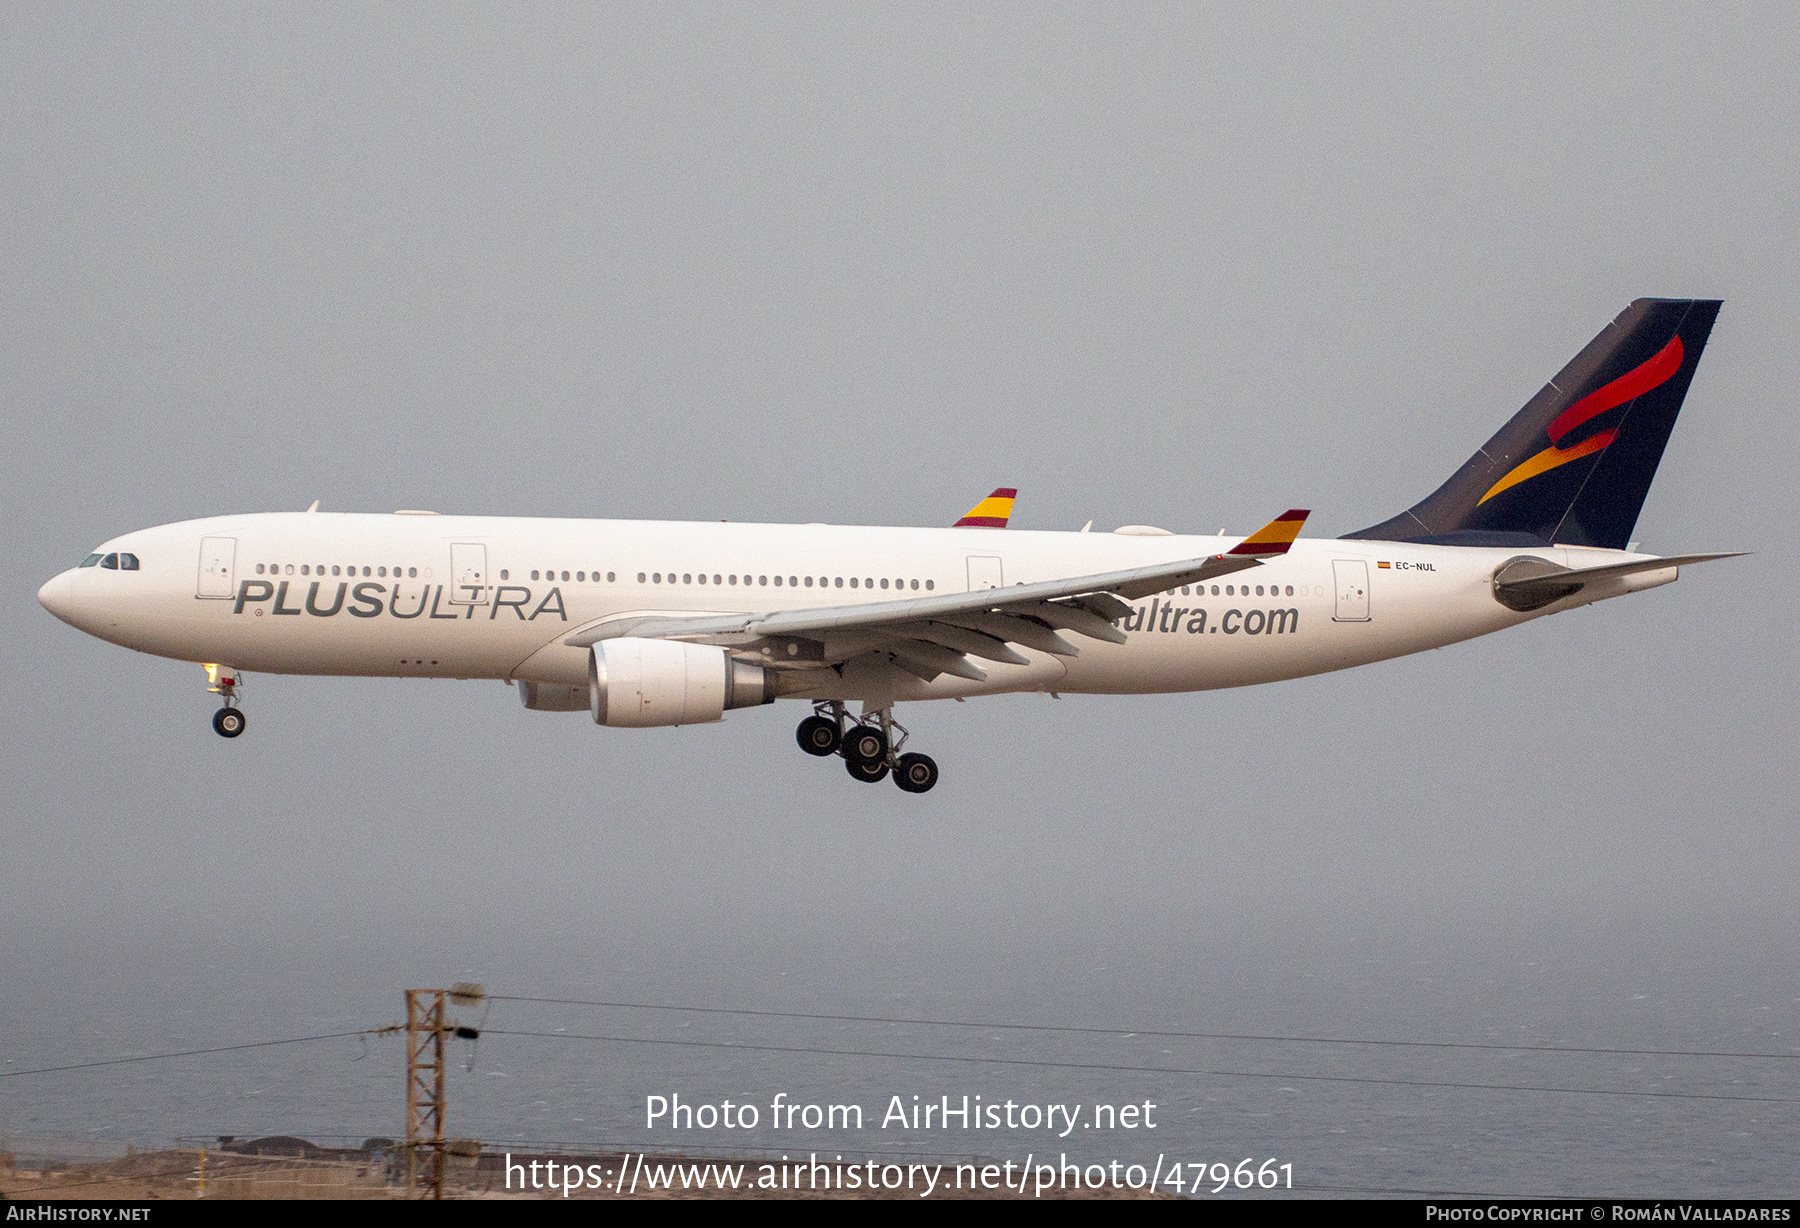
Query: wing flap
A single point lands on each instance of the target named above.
(959, 639)
(937, 657)
(1073, 618)
(1016, 630)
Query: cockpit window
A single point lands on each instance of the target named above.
(128, 562)
(90, 560)
(110, 562)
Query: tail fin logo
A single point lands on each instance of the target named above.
(1634, 383)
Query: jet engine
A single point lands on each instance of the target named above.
(639, 683)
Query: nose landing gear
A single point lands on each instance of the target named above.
(869, 748)
(223, 681)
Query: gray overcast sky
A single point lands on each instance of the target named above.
(1180, 265)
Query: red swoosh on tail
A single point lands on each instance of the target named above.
(1634, 383)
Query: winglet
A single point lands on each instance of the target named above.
(992, 512)
(1274, 537)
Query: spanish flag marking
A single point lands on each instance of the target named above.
(992, 512)
(1276, 536)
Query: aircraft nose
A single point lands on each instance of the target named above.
(58, 596)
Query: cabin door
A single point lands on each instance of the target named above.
(218, 567)
(468, 573)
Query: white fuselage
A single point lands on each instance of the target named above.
(414, 595)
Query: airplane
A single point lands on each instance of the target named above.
(658, 623)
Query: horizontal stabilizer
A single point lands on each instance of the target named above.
(1530, 584)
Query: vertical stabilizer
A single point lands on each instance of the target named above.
(1573, 466)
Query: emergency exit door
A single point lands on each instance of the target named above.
(1352, 576)
(984, 572)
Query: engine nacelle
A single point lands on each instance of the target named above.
(552, 697)
(640, 683)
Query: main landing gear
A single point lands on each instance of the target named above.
(224, 681)
(869, 748)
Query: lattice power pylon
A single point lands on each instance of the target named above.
(425, 1032)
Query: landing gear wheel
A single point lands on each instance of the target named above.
(866, 770)
(866, 744)
(228, 722)
(916, 773)
(818, 736)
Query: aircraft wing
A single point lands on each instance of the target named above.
(938, 634)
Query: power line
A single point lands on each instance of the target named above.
(157, 1057)
(1228, 1074)
(1127, 1032)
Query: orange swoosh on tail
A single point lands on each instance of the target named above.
(1549, 459)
